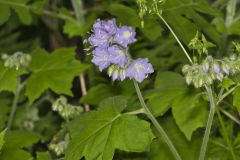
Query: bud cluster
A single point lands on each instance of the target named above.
(201, 45)
(211, 70)
(28, 119)
(17, 60)
(149, 6)
(59, 147)
(66, 110)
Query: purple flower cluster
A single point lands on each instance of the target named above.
(110, 44)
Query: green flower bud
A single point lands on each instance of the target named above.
(110, 70)
(233, 57)
(185, 68)
(4, 56)
(188, 79)
(208, 80)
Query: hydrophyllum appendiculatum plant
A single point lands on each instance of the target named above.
(110, 50)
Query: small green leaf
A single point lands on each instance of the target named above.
(226, 83)
(106, 130)
(54, 71)
(24, 15)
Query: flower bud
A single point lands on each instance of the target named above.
(185, 68)
(4, 56)
(233, 57)
(226, 68)
(110, 70)
(208, 80)
(220, 77)
(122, 74)
(216, 68)
(205, 67)
(188, 79)
(115, 75)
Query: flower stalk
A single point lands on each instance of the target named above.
(209, 123)
(14, 104)
(155, 123)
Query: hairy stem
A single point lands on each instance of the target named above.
(84, 90)
(156, 124)
(209, 124)
(226, 94)
(225, 135)
(78, 7)
(139, 111)
(177, 39)
(14, 105)
(230, 116)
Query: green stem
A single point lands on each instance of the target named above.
(14, 105)
(225, 135)
(226, 94)
(175, 36)
(209, 124)
(139, 111)
(230, 116)
(155, 123)
(78, 8)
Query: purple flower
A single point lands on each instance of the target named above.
(109, 26)
(125, 35)
(139, 68)
(117, 55)
(101, 58)
(99, 39)
(216, 68)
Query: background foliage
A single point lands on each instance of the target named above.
(53, 32)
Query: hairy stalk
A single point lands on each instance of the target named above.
(177, 39)
(14, 104)
(226, 94)
(230, 116)
(225, 135)
(78, 7)
(209, 124)
(84, 90)
(139, 111)
(155, 123)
